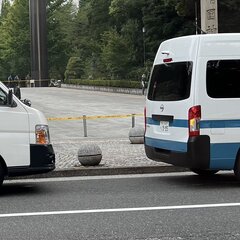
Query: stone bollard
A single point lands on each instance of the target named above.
(89, 154)
(136, 135)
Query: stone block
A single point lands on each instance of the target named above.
(89, 154)
(136, 135)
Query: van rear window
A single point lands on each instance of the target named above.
(223, 78)
(170, 82)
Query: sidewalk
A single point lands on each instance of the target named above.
(119, 156)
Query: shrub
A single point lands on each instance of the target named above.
(106, 83)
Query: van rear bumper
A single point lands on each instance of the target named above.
(42, 160)
(197, 155)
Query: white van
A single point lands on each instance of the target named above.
(24, 138)
(193, 103)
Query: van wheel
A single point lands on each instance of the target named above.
(237, 167)
(204, 172)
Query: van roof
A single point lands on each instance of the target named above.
(187, 48)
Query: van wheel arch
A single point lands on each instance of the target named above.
(237, 166)
(3, 170)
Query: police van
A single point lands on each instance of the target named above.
(25, 146)
(192, 115)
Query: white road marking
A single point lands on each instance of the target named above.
(114, 210)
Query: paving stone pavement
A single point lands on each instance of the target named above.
(116, 152)
(110, 134)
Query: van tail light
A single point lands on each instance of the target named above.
(145, 120)
(194, 117)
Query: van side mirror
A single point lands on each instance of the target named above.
(27, 102)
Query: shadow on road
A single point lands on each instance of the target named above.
(11, 189)
(219, 180)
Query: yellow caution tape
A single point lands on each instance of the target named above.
(92, 117)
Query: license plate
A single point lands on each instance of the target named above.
(164, 126)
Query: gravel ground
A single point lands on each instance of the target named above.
(117, 152)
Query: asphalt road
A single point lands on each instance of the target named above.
(151, 207)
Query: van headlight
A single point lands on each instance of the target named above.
(42, 134)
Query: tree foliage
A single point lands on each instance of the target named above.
(102, 38)
(60, 16)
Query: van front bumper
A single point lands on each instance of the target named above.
(197, 155)
(42, 160)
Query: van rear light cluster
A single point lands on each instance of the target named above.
(194, 117)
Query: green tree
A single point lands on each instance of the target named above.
(15, 40)
(128, 16)
(4, 11)
(91, 22)
(74, 69)
(99, 18)
(162, 22)
(4, 66)
(228, 16)
(60, 15)
(116, 54)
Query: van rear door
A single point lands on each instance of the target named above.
(167, 105)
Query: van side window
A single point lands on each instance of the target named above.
(3, 98)
(170, 82)
(223, 78)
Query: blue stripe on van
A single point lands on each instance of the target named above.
(220, 124)
(223, 155)
(166, 144)
(203, 124)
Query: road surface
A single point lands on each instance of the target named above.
(162, 206)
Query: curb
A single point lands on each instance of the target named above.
(104, 171)
(133, 91)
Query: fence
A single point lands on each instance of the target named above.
(85, 118)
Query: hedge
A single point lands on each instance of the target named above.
(106, 83)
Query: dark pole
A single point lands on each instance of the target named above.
(196, 16)
(39, 67)
(144, 46)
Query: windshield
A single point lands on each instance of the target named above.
(170, 82)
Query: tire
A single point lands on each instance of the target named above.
(237, 167)
(204, 172)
